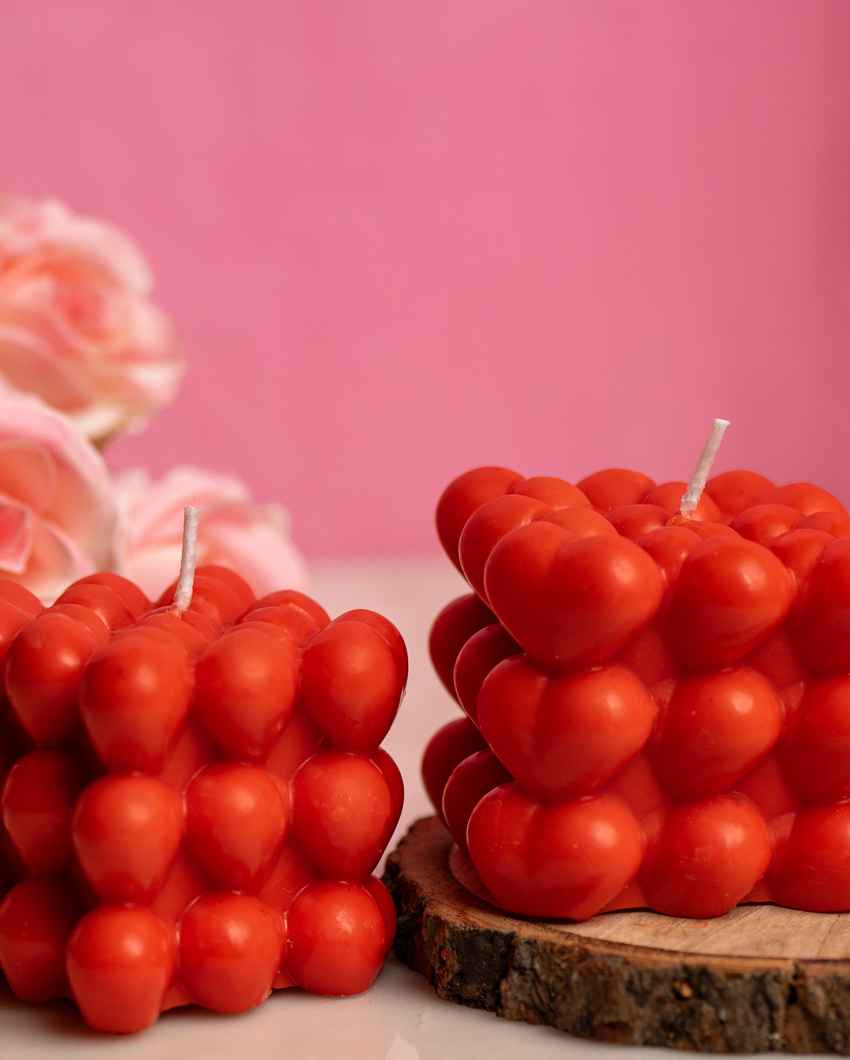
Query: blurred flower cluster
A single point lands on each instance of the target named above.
(86, 354)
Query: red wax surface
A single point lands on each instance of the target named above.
(656, 706)
(193, 805)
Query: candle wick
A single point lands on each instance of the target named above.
(693, 493)
(188, 559)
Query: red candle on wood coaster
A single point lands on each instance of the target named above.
(656, 679)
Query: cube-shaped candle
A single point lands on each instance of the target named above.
(657, 704)
(193, 798)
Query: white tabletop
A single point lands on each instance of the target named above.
(399, 1018)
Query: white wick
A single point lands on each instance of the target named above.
(188, 559)
(691, 496)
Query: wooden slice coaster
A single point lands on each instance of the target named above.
(759, 979)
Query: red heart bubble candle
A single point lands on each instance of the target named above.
(656, 687)
(193, 795)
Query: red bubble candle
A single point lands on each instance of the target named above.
(194, 796)
(655, 680)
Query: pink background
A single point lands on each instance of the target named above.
(402, 238)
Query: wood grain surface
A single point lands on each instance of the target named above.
(759, 979)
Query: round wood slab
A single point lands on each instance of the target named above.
(759, 979)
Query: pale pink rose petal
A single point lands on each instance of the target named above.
(60, 308)
(152, 569)
(157, 509)
(27, 352)
(131, 377)
(32, 227)
(81, 504)
(16, 537)
(77, 326)
(55, 562)
(27, 474)
(259, 547)
(233, 531)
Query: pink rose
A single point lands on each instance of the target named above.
(77, 326)
(250, 538)
(58, 515)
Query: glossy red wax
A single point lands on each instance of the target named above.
(193, 804)
(656, 705)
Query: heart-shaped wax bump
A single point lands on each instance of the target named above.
(485, 529)
(469, 782)
(834, 523)
(635, 520)
(766, 523)
(809, 865)
(806, 498)
(820, 623)
(235, 818)
(344, 811)
(668, 495)
(568, 602)
(565, 859)
(482, 653)
(734, 491)
(127, 830)
(498, 517)
(465, 495)
(563, 737)
(452, 628)
(36, 918)
(230, 950)
(615, 486)
(120, 962)
(353, 676)
(554, 492)
(801, 549)
(135, 697)
(716, 729)
(729, 596)
(44, 667)
(669, 546)
(579, 522)
(446, 749)
(704, 857)
(37, 802)
(815, 750)
(245, 688)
